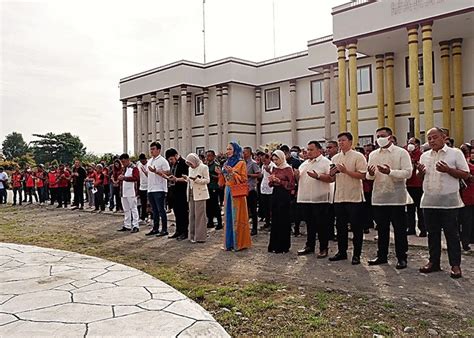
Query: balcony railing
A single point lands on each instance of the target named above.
(349, 5)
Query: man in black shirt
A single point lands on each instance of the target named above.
(78, 176)
(177, 193)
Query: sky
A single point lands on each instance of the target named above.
(61, 60)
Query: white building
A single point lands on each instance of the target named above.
(404, 58)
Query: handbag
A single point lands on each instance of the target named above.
(239, 189)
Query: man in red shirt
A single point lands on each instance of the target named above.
(53, 185)
(30, 186)
(17, 179)
(415, 189)
(40, 183)
(63, 176)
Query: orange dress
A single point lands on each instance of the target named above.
(236, 217)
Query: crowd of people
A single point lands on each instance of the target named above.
(334, 191)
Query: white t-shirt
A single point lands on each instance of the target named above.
(441, 190)
(3, 177)
(143, 178)
(156, 182)
(265, 188)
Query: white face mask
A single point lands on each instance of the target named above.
(411, 147)
(383, 141)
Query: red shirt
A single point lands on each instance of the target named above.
(106, 176)
(16, 180)
(98, 178)
(467, 194)
(414, 181)
(40, 177)
(53, 182)
(63, 178)
(30, 180)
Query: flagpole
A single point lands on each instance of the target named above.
(204, 28)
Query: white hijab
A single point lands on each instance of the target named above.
(281, 156)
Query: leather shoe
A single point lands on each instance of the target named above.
(422, 234)
(182, 237)
(305, 251)
(401, 264)
(355, 260)
(175, 235)
(456, 272)
(338, 257)
(162, 233)
(123, 229)
(377, 261)
(253, 232)
(430, 267)
(135, 230)
(219, 227)
(151, 233)
(322, 254)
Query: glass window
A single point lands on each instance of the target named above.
(364, 79)
(317, 95)
(272, 99)
(199, 102)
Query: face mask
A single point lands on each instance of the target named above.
(383, 141)
(411, 147)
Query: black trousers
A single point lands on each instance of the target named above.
(415, 194)
(394, 214)
(467, 224)
(63, 196)
(368, 214)
(265, 208)
(106, 193)
(118, 200)
(15, 192)
(252, 199)
(31, 193)
(78, 195)
(446, 219)
(53, 192)
(331, 221)
(143, 195)
(347, 212)
(315, 216)
(213, 209)
(181, 212)
(99, 198)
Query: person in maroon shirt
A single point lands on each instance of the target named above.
(415, 189)
(17, 179)
(63, 177)
(467, 195)
(99, 188)
(117, 170)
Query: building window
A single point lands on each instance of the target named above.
(272, 99)
(200, 150)
(364, 79)
(317, 94)
(420, 70)
(199, 105)
(366, 139)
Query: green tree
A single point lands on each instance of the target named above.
(14, 146)
(61, 147)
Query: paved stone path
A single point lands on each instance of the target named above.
(46, 292)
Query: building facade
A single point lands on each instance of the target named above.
(408, 60)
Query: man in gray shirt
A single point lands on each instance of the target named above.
(253, 174)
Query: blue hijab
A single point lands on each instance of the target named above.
(236, 156)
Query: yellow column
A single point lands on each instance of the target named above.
(380, 90)
(341, 65)
(457, 81)
(389, 57)
(352, 49)
(427, 39)
(414, 79)
(445, 84)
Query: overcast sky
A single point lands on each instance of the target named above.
(61, 61)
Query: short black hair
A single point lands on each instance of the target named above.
(316, 144)
(417, 141)
(285, 148)
(125, 156)
(333, 143)
(370, 145)
(346, 134)
(211, 151)
(171, 152)
(142, 156)
(296, 148)
(248, 148)
(155, 144)
(387, 129)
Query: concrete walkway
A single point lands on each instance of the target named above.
(46, 292)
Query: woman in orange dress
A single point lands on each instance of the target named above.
(237, 228)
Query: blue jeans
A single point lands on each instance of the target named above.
(157, 202)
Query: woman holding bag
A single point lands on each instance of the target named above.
(234, 177)
(198, 179)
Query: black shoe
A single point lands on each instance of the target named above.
(210, 225)
(466, 247)
(175, 235)
(219, 227)
(182, 237)
(253, 232)
(377, 261)
(355, 260)
(81, 208)
(411, 232)
(135, 230)
(338, 257)
(124, 229)
(162, 233)
(366, 231)
(305, 251)
(59, 206)
(74, 208)
(297, 233)
(14, 204)
(151, 233)
(422, 234)
(401, 264)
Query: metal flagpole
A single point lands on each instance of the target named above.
(274, 48)
(204, 28)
